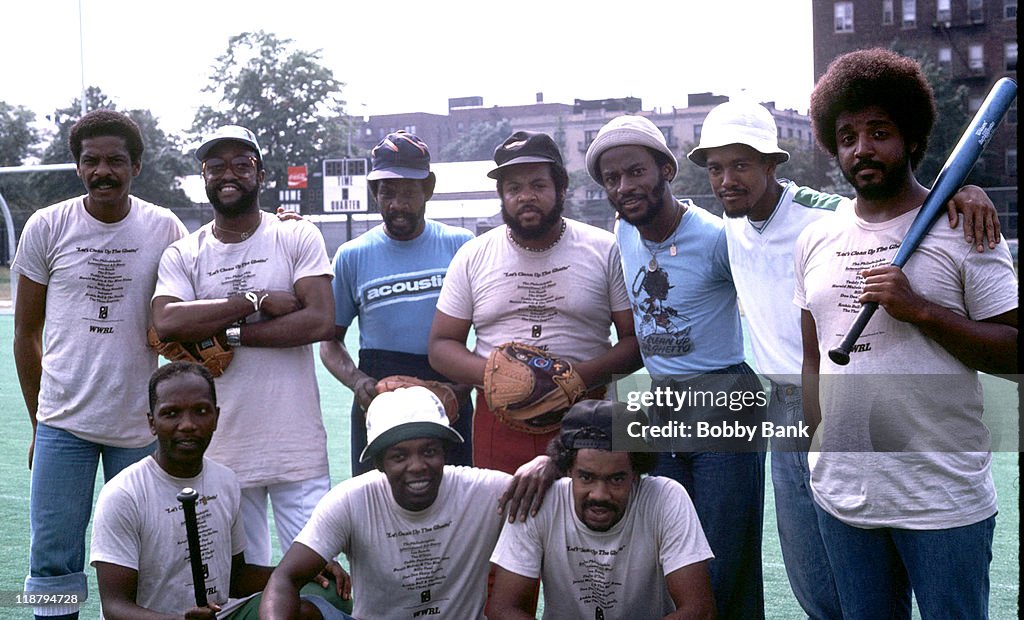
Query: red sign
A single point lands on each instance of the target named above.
(297, 177)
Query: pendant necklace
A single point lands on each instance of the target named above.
(656, 248)
(242, 235)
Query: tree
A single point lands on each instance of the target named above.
(162, 161)
(478, 143)
(17, 138)
(283, 94)
(17, 135)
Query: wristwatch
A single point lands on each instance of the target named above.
(234, 336)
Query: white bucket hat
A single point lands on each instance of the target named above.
(403, 414)
(738, 122)
(626, 130)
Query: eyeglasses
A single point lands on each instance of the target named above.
(241, 166)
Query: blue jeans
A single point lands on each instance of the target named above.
(727, 489)
(876, 569)
(803, 552)
(60, 505)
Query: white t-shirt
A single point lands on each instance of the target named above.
(762, 270)
(902, 438)
(270, 427)
(408, 564)
(139, 524)
(99, 279)
(560, 299)
(615, 574)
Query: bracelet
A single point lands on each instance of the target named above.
(257, 300)
(234, 336)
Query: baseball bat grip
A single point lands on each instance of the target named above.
(841, 354)
(188, 497)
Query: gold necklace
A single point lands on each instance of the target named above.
(655, 248)
(242, 235)
(508, 232)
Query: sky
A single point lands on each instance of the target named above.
(411, 56)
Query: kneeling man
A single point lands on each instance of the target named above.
(417, 533)
(616, 545)
(139, 544)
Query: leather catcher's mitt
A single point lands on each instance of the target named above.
(528, 389)
(443, 391)
(213, 352)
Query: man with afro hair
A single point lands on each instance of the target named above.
(901, 472)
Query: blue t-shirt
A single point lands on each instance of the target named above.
(392, 286)
(685, 311)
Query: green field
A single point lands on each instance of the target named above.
(336, 399)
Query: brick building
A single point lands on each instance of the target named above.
(973, 41)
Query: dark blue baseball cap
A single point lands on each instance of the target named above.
(399, 155)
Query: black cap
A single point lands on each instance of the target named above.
(526, 147)
(399, 155)
(588, 424)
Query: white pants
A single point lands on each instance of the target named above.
(293, 504)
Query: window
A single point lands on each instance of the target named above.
(696, 131)
(887, 12)
(942, 11)
(667, 132)
(909, 13)
(589, 136)
(1010, 53)
(1011, 162)
(975, 11)
(844, 16)
(1009, 9)
(945, 58)
(976, 57)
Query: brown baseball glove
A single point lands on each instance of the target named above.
(213, 352)
(443, 391)
(528, 389)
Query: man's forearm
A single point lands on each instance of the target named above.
(192, 321)
(622, 359)
(452, 359)
(28, 359)
(304, 326)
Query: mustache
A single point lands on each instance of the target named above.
(868, 164)
(605, 505)
(101, 182)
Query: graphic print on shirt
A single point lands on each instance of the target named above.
(537, 297)
(401, 287)
(660, 327)
(595, 585)
(424, 563)
(237, 279)
(852, 287)
(105, 285)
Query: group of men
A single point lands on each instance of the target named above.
(882, 510)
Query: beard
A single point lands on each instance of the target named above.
(655, 203)
(893, 178)
(245, 202)
(547, 222)
(402, 224)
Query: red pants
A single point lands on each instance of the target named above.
(497, 446)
